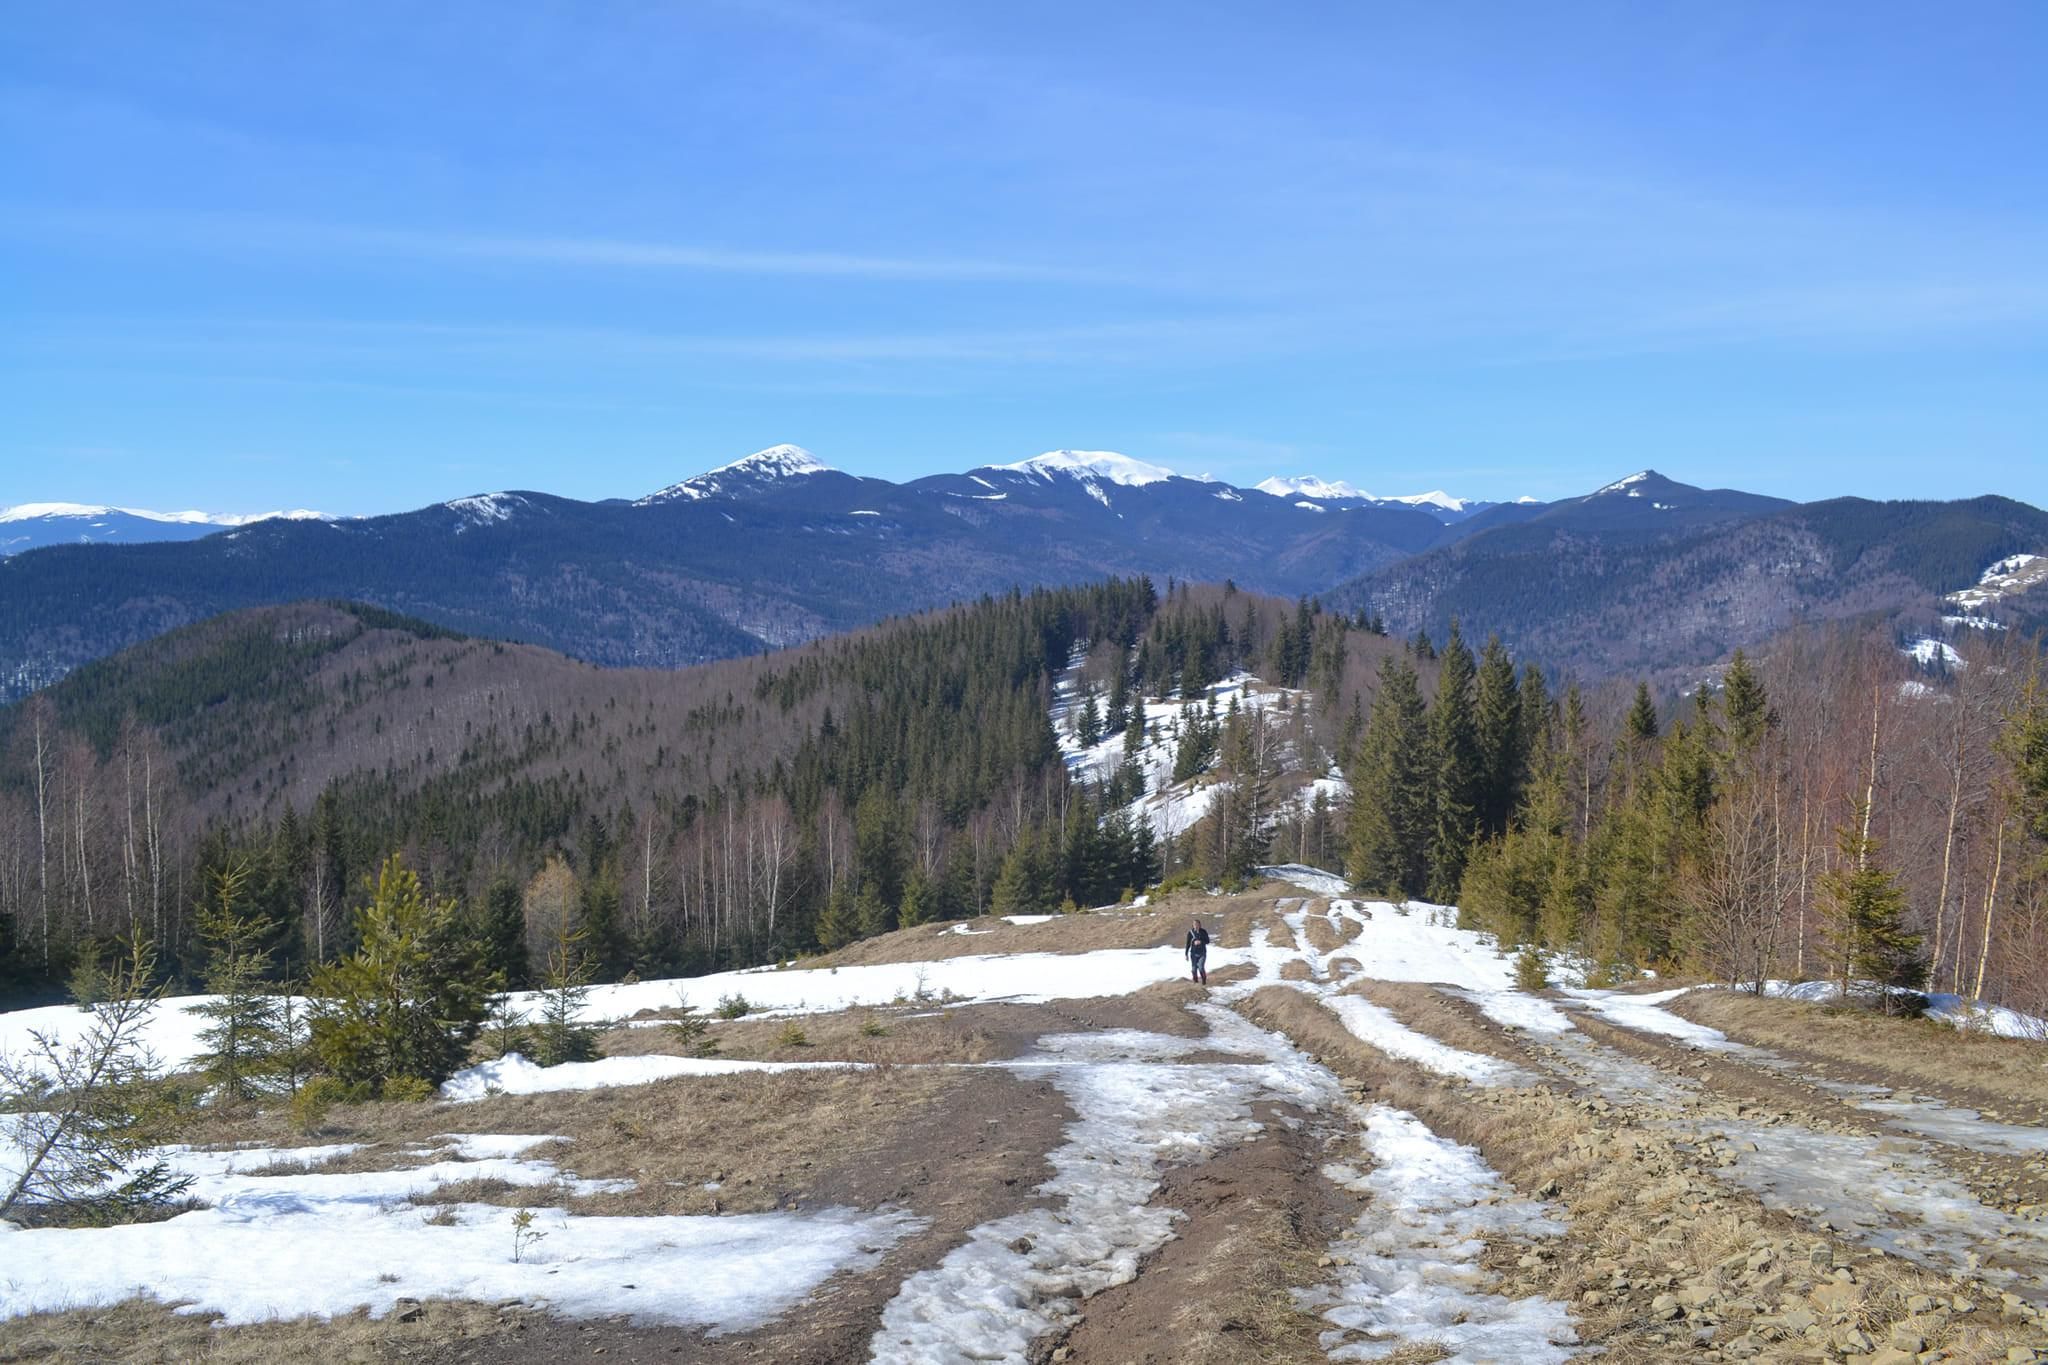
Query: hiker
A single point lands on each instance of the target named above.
(1197, 950)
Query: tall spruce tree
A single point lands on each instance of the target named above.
(1458, 774)
(1746, 704)
(1498, 735)
(1388, 838)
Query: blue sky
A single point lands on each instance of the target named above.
(362, 256)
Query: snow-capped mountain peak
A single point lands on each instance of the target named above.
(763, 466)
(1435, 497)
(1309, 486)
(1628, 485)
(39, 511)
(1106, 465)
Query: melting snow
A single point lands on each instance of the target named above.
(1135, 1113)
(1414, 1274)
(1371, 1024)
(513, 1074)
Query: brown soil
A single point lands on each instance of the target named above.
(1217, 1294)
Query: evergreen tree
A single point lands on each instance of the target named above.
(1458, 773)
(838, 924)
(1746, 704)
(1026, 885)
(406, 1003)
(1864, 911)
(560, 1036)
(500, 932)
(88, 1143)
(1499, 738)
(1641, 725)
(242, 1038)
(1388, 839)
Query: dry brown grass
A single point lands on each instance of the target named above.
(2009, 1074)
(759, 1136)
(144, 1333)
(882, 1036)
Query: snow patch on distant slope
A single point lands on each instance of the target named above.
(485, 508)
(1626, 485)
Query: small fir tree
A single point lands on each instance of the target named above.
(242, 1039)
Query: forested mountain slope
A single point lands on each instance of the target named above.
(720, 813)
(1588, 586)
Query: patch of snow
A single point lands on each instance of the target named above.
(258, 1261)
(1378, 1028)
(1517, 1009)
(1229, 495)
(1029, 919)
(2009, 576)
(1972, 622)
(1308, 878)
(1927, 652)
(1414, 1275)
(1645, 1014)
(1625, 485)
(485, 508)
(513, 1074)
(1017, 1277)
(1310, 506)
(863, 514)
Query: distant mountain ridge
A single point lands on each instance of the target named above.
(778, 547)
(32, 525)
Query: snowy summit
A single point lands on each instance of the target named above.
(1309, 486)
(761, 467)
(1095, 464)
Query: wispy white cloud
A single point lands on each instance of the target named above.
(241, 234)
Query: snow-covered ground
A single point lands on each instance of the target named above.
(513, 1074)
(1137, 1110)
(172, 1033)
(1959, 1010)
(1371, 1024)
(1172, 807)
(1413, 1257)
(307, 1243)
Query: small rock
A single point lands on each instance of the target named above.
(407, 1310)
(1666, 1308)
(1022, 1246)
